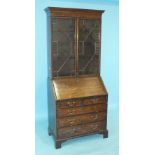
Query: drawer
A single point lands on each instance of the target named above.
(81, 130)
(81, 102)
(81, 110)
(80, 119)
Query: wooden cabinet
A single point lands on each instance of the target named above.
(77, 97)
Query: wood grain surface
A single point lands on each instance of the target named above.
(68, 88)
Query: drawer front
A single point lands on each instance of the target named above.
(81, 110)
(81, 130)
(81, 119)
(81, 102)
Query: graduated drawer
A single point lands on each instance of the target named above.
(80, 119)
(81, 130)
(81, 110)
(81, 102)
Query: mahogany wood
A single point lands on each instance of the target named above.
(77, 96)
(81, 102)
(68, 88)
(81, 110)
(81, 119)
(69, 12)
(81, 129)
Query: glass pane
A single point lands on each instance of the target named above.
(89, 46)
(63, 46)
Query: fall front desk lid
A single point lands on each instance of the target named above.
(69, 88)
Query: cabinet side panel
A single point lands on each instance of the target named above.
(51, 108)
(49, 38)
(106, 111)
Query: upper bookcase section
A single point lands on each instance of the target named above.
(65, 12)
(74, 42)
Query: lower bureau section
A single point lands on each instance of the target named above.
(81, 129)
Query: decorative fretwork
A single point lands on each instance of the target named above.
(63, 47)
(89, 46)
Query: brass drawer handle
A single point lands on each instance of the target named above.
(71, 104)
(71, 111)
(72, 122)
(94, 117)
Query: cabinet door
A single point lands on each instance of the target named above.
(89, 46)
(63, 46)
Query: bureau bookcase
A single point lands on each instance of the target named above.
(77, 97)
